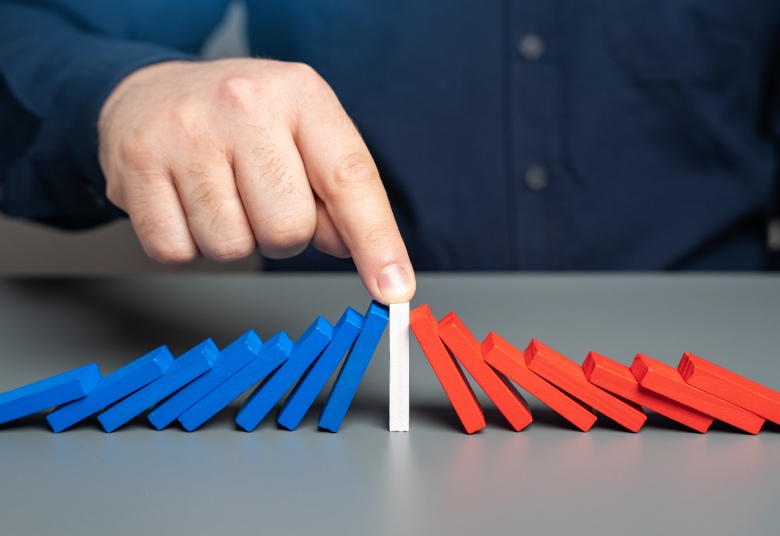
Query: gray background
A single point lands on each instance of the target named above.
(547, 479)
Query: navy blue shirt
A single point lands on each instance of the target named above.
(511, 135)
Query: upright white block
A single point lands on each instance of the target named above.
(399, 367)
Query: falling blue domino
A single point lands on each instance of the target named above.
(354, 367)
(45, 394)
(232, 359)
(303, 395)
(183, 370)
(272, 354)
(306, 349)
(113, 387)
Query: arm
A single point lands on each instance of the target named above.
(54, 78)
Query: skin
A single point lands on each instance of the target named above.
(222, 158)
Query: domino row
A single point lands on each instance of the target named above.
(201, 382)
(693, 394)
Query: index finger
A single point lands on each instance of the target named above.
(344, 176)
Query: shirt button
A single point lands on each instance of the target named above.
(531, 47)
(536, 178)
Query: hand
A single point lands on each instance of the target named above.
(222, 157)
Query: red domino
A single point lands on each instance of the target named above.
(730, 387)
(617, 379)
(451, 377)
(569, 377)
(468, 351)
(508, 360)
(667, 381)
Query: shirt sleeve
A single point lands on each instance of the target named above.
(55, 75)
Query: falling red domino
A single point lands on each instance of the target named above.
(507, 359)
(451, 377)
(468, 351)
(667, 381)
(616, 378)
(730, 387)
(569, 377)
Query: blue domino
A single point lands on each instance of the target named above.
(306, 349)
(232, 359)
(113, 387)
(272, 354)
(45, 394)
(354, 367)
(306, 390)
(183, 370)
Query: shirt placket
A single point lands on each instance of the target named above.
(534, 128)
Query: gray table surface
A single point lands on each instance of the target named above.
(547, 479)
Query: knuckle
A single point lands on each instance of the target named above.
(231, 249)
(352, 171)
(160, 244)
(186, 117)
(288, 238)
(172, 255)
(169, 252)
(304, 77)
(285, 235)
(237, 91)
(137, 149)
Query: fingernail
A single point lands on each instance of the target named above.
(394, 282)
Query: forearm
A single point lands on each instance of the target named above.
(55, 79)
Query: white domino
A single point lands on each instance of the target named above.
(399, 367)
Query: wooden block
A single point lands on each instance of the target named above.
(186, 368)
(569, 377)
(112, 388)
(306, 390)
(45, 394)
(306, 349)
(618, 379)
(269, 357)
(447, 370)
(468, 351)
(508, 360)
(354, 367)
(730, 387)
(230, 360)
(399, 367)
(665, 380)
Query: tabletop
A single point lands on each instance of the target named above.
(435, 479)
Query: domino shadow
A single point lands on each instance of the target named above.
(36, 421)
(771, 427)
(98, 305)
